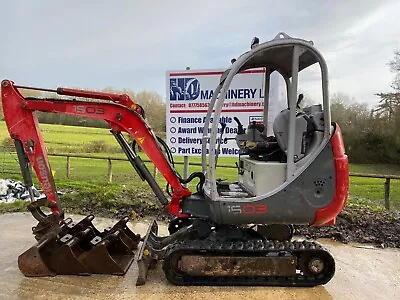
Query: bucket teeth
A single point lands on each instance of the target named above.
(81, 249)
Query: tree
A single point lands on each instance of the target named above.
(347, 112)
(152, 103)
(369, 136)
(389, 104)
(394, 66)
(154, 107)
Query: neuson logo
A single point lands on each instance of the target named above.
(43, 171)
(184, 89)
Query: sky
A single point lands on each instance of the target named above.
(95, 44)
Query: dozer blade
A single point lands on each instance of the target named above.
(81, 249)
(146, 258)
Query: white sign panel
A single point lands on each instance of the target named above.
(188, 96)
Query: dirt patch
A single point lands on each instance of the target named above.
(148, 205)
(111, 203)
(360, 225)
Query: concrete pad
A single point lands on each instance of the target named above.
(362, 272)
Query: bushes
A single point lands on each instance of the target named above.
(373, 148)
(100, 146)
(369, 137)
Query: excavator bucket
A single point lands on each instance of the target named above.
(81, 249)
(32, 264)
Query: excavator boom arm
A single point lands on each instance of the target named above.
(122, 114)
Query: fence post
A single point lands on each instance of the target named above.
(155, 172)
(387, 193)
(68, 166)
(109, 170)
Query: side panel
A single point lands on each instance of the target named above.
(327, 215)
(296, 204)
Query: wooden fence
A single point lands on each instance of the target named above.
(386, 184)
(109, 160)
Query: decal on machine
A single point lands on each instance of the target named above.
(248, 209)
(81, 109)
(43, 171)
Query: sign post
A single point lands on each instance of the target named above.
(186, 158)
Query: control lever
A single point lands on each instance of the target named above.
(301, 96)
(240, 126)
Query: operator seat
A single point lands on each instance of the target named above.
(281, 131)
(309, 130)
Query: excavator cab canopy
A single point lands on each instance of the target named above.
(287, 56)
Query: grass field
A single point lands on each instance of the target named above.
(90, 173)
(62, 139)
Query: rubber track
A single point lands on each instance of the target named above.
(252, 248)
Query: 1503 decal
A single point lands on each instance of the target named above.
(248, 209)
(81, 109)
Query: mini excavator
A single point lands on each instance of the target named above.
(221, 233)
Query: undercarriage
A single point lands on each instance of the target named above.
(232, 255)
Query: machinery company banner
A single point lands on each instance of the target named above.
(188, 96)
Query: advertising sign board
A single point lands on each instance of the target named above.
(188, 96)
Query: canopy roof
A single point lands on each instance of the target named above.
(280, 58)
